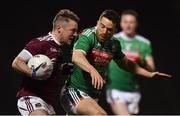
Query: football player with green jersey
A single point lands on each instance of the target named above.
(122, 89)
(93, 51)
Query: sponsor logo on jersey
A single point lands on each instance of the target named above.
(133, 56)
(53, 50)
(100, 57)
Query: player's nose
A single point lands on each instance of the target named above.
(75, 34)
(104, 31)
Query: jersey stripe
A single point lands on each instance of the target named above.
(86, 32)
(73, 96)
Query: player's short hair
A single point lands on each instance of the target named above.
(65, 15)
(130, 12)
(111, 15)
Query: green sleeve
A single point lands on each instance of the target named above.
(148, 51)
(82, 44)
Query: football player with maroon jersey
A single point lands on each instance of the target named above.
(35, 97)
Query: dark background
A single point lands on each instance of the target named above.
(158, 21)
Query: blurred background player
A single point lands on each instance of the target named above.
(92, 52)
(35, 97)
(123, 93)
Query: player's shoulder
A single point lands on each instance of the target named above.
(118, 35)
(89, 32)
(114, 38)
(43, 39)
(143, 39)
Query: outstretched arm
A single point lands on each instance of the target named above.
(149, 63)
(134, 68)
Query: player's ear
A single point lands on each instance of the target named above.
(97, 23)
(59, 28)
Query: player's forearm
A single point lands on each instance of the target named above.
(80, 60)
(134, 68)
(150, 68)
(141, 71)
(20, 66)
(149, 63)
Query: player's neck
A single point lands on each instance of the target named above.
(130, 35)
(56, 36)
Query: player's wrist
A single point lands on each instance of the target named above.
(150, 75)
(145, 73)
(92, 69)
(33, 73)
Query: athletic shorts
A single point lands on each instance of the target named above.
(131, 99)
(28, 104)
(70, 99)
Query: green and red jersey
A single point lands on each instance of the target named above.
(136, 49)
(98, 54)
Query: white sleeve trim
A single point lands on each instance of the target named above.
(80, 50)
(26, 55)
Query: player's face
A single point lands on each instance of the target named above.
(69, 32)
(105, 29)
(128, 24)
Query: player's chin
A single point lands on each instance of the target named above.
(129, 31)
(69, 42)
(102, 40)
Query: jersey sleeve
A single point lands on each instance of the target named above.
(82, 44)
(148, 51)
(34, 47)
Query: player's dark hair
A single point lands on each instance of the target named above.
(111, 15)
(64, 15)
(130, 12)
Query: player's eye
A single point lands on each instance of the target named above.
(74, 30)
(110, 29)
(102, 26)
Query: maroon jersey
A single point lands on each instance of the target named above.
(45, 89)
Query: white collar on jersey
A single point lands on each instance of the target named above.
(125, 37)
(54, 38)
(95, 29)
